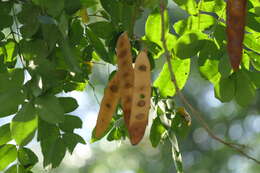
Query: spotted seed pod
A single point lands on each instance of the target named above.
(236, 19)
(108, 106)
(141, 98)
(126, 74)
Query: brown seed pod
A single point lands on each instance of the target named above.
(108, 106)
(236, 19)
(141, 98)
(126, 74)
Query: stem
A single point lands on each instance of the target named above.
(183, 99)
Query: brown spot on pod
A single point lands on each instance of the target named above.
(113, 88)
(142, 67)
(108, 105)
(140, 116)
(142, 88)
(128, 85)
(125, 74)
(141, 103)
(128, 99)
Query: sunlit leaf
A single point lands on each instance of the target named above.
(5, 134)
(189, 44)
(181, 69)
(24, 124)
(8, 154)
(195, 23)
(157, 132)
(153, 27)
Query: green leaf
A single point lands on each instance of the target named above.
(34, 49)
(5, 134)
(2, 35)
(225, 89)
(27, 158)
(153, 27)
(11, 79)
(53, 151)
(8, 154)
(54, 8)
(129, 13)
(70, 123)
(212, 6)
(251, 42)
(76, 32)
(157, 131)
(220, 34)
(194, 23)
(69, 55)
(224, 66)
(114, 10)
(188, 5)
(189, 44)
(209, 70)
(69, 104)
(28, 30)
(98, 46)
(88, 3)
(255, 77)
(29, 14)
(245, 89)
(102, 29)
(181, 69)
(24, 125)
(255, 59)
(10, 51)
(253, 21)
(71, 140)
(16, 169)
(49, 109)
(180, 125)
(114, 134)
(50, 34)
(10, 100)
(47, 131)
(63, 25)
(72, 7)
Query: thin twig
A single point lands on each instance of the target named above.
(94, 92)
(18, 37)
(194, 112)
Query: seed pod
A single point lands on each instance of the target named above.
(108, 106)
(126, 74)
(236, 19)
(141, 98)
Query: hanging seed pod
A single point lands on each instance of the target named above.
(141, 98)
(126, 74)
(236, 19)
(108, 106)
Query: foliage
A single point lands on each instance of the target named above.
(49, 47)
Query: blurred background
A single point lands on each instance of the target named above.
(201, 154)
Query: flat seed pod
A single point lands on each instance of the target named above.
(108, 106)
(236, 19)
(141, 98)
(126, 74)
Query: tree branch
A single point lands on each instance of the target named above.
(183, 99)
